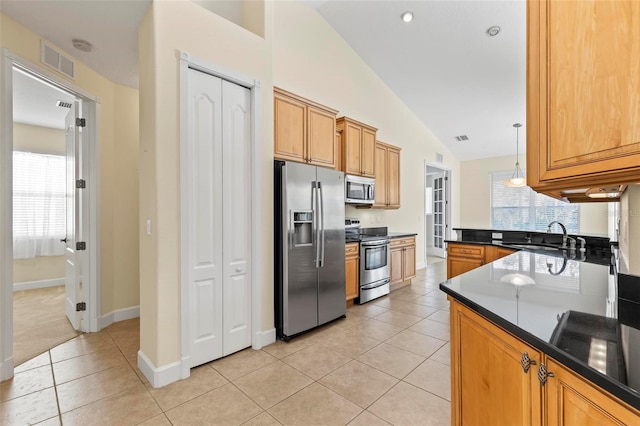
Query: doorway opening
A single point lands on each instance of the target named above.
(49, 285)
(437, 210)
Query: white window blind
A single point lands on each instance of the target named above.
(525, 210)
(39, 204)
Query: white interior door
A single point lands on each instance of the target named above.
(72, 257)
(219, 214)
(205, 219)
(236, 130)
(439, 215)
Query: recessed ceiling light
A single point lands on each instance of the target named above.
(407, 17)
(493, 31)
(82, 45)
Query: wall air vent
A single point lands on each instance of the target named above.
(56, 60)
(462, 138)
(439, 157)
(63, 104)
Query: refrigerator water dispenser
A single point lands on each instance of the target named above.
(302, 228)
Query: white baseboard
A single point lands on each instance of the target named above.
(264, 338)
(6, 369)
(118, 315)
(32, 285)
(160, 376)
(421, 265)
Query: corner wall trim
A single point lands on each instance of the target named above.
(118, 315)
(265, 338)
(421, 265)
(159, 376)
(32, 285)
(6, 369)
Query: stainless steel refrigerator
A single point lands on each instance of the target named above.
(309, 247)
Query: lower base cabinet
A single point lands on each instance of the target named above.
(352, 270)
(402, 259)
(494, 377)
(462, 258)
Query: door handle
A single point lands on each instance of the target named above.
(64, 240)
(321, 203)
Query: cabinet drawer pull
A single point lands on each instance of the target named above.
(543, 374)
(526, 362)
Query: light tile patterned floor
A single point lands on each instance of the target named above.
(386, 363)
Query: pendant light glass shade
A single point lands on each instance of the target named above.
(517, 179)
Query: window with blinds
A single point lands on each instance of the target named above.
(39, 204)
(522, 209)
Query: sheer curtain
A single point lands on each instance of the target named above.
(39, 204)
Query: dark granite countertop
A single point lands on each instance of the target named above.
(568, 309)
(394, 235)
(364, 233)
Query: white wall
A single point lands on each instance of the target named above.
(310, 59)
(475, 197)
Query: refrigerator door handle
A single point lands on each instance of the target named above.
(321, 200)
(316, 222)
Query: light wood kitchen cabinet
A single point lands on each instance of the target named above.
(402, 259)
(462, 258)
(352, 270)
(304, 131)
(571, 400)
(492, 253)
(338, 149)
(583, 92)
(387, 169)
(489, 384)
(358, 147)
(489, 381)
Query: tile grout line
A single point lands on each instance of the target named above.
(55, 386)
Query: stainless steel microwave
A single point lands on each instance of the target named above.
(359, 190)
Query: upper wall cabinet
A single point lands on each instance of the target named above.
(304, 131)
(358, 147)
(387, 165)
(583, 94)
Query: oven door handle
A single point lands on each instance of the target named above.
(375, 285)
(374, 243)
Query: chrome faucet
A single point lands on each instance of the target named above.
(565, 237)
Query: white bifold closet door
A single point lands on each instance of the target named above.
(219, 214)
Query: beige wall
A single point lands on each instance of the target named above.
(310, 59)
(38, 269)
(475, 195)
(44, 140)
(170, 27)
(116, 278)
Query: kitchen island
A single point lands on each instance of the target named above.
(538, 339)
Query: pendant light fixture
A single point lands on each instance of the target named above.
(517, 179)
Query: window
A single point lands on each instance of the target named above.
(525, 210)
(39, 204)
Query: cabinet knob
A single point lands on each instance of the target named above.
(543, 374)
(526, 362)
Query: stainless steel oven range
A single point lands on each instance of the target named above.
(375, 272)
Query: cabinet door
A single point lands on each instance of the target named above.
(489, 384)
(290, 129)
(409, 262)
(502, 252)
(460, 265)
(583, 126)
(338, 150)
(352, 277)
(368, 152)
(381, 176)
(321, 137)
(352, 141)
(393, 178)
(573, 401)
(396, 265)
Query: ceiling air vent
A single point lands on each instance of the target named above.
(63, 104)
(462, 138)
(56, 60)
